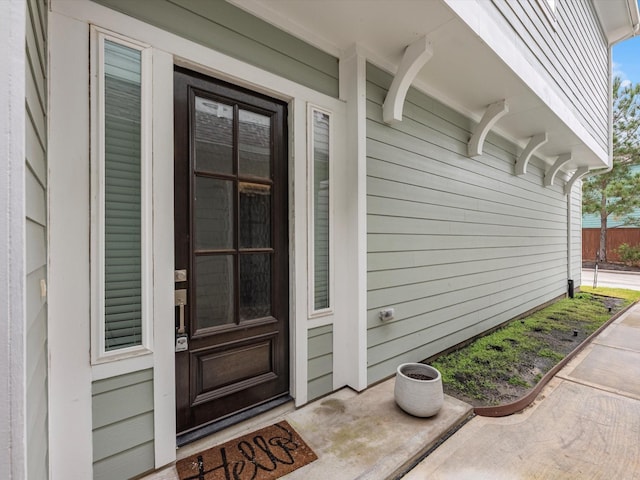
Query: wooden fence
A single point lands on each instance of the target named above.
(615, 238)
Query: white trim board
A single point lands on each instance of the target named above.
(13, 435)
(163, 262)
(70, 420)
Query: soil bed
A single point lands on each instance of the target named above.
(420, 376)
(505, 365)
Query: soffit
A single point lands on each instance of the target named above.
(463, 72)
(618, 18)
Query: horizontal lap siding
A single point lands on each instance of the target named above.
(36, 237)
(455, 245)
(572, 53)
(232, 31)
(123, 445)
(320, 361)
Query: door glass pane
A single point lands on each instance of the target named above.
(255, 215)
(255, 286)
(213, 223)
(254, 144)
(122, 197)
(321, 212)
(214, 290)
(213, 136)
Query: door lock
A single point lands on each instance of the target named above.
(181, 301)
(180, 276)
(181, 337)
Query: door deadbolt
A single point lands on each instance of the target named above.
(179, 276)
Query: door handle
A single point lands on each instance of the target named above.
(181, 301)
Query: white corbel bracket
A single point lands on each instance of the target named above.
(534, 143)
(494, 112)
(550, 176)
(415, 57)
(579, 173)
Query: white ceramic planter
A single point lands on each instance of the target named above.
(421, 396)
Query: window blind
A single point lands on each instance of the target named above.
(122, 197)
(321, 212)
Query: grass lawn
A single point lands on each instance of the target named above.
(502, 366)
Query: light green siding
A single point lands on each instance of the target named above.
(320, 366)
(232, 31)
(455, 245)
(571, 52)
(123, 426)
(36, 237)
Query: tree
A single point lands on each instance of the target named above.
(617, 192)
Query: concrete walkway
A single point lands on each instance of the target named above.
(584, 425)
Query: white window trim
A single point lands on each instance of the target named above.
(99, 355)
(313, 313)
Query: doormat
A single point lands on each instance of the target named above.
(265, 454)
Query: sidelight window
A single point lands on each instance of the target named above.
(121, 203)
(320, 211)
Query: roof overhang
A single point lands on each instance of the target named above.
(473, 63)
(619, 18)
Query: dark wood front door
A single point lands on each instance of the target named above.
(231, 241)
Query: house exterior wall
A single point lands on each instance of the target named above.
(106, 437)
(230, 30)
(123, 425)
(320, 365)
(36, 238)
(570, 49)
(455, 245)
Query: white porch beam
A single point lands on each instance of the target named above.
(415, 57)
(494, 112)
(579, 173)
(550, 176)
(534, 143)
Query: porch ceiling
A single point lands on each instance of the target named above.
(463, 72)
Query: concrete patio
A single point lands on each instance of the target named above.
(584, 424)
(364, 436)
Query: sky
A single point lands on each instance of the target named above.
(626, 60)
